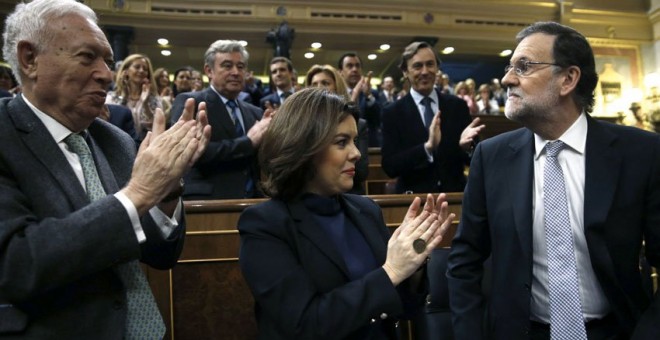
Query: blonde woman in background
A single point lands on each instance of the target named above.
(136, 89)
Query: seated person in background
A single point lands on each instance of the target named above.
(462, 91)
(8, 84)
(639, 118)
(328, 77)
(136, 89)
(486, 104)
(121, 117)
(163, 88)
(182, 81)
(196, 80)
(281, 77)
(318, 261)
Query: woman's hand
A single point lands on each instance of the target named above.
(417, 236)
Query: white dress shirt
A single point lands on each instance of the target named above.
(572, 162)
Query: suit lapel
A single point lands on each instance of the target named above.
(40, 142)
(308, 226)
(368, 229)
(248, 118)
(414, 118)
(520, 168)
(602, 166)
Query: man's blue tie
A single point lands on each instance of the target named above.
(566, 320)
(428, 111)
(234, 115)
(249, 183)
(143, 319)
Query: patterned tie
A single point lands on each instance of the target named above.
(143, 320)
(249, 183)
(566, 320)
(234, 116)
(428, 111)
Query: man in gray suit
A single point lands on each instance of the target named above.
(228, 168)
(78, 207)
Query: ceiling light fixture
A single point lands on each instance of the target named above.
(385, 47)
(372, 57)
(163, 41)
(505, 53)
(316, 45)
(448, 50)
(243, 43)
(309, 55)
(166, 53)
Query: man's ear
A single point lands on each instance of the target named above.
(27, 59)
(571, 78)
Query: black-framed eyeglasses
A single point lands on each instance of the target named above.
(521, 67)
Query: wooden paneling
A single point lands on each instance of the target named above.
(205, 296)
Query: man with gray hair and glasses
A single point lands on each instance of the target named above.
(79, 208)
(561, 207)
(228, 168)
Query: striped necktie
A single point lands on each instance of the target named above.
(143, 319)
(234, 116)
(566, 320)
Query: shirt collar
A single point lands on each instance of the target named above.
(417, 97)
(224, 100)
(575, 137)
(279, 92)
(57, 130)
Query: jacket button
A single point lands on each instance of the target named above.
(428, 299)
(373, 320)
(439, 183)
(383, 316)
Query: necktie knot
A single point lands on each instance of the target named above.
(285, 95)
(77, 144)
(552, 149)
(232, 104)
(428, 111)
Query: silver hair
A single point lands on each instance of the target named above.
(224, 46)
(29, 22)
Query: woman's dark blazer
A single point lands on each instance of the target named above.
(300, 282)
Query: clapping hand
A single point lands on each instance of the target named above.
(417, 236)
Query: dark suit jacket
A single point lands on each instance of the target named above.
(57, 250)
(122, 117)
(621, 208)
(273, 98)
(372, 114)
(229, 160)
(300, 281)
(382, 99)
(404, 135)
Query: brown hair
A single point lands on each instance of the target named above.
(302, 128)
